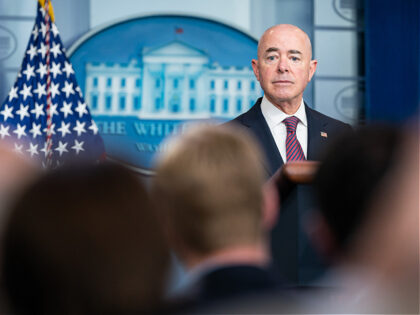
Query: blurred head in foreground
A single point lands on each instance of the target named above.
(84, 240)
(346, 182)
(210, 189)
(388, 244)
(369, 204)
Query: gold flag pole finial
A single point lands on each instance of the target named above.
(50, 9)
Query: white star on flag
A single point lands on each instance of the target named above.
(4, 131)
(55, 50)
(79, 91)
(26, 92)
(81, 109)
(20, 130)
(29, 72)
(78, 146)
(68, 89)
(64, 129)
(54, 30)
(43, 29)
(55, 70)
(32, 51)
(40, 90)
(68, 69)
(36, 130)
(93, 127)
(53, 110)
(61, 147)
(52, 129)
(32, 149)
(41, 11)
(43, 50)
(42, 70)
(55, 89)
(23, 111)
(66, 109)
(44, 149)
(80, 128)
(18, 148)
(38, 110)
(13, 93)
(7, 112)
(35, 32)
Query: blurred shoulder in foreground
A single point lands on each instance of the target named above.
(84, 239)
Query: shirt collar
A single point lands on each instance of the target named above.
(274, 116)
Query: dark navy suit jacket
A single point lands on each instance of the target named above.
(317, 123)
(229, 284)
(292, 251)
(233, 281)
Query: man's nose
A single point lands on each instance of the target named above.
(283, 66)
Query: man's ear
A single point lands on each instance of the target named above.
(321, 235)
(254, 64)
(270, 206)
(312, 68)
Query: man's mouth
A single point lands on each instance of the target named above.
(282, 82)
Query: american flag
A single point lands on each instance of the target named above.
(45, 116)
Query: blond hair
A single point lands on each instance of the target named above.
(209, 187)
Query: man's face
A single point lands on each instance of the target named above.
(284, 66)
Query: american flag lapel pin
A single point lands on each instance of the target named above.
(324, 134)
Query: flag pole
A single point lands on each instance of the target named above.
(47, 6)
(50, 9)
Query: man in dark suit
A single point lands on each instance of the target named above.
(217, 210)
(289, 130)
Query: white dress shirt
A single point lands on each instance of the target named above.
(274, 118)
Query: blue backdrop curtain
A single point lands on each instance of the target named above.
(392, 43)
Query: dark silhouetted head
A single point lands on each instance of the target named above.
(84, 240)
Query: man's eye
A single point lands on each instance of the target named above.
(271, 58)
(293, 58)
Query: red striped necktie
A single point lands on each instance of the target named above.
(294, 151)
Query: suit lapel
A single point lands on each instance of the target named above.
(255, 120)
(315, 140)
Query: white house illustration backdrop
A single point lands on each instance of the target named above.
(173, 81)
